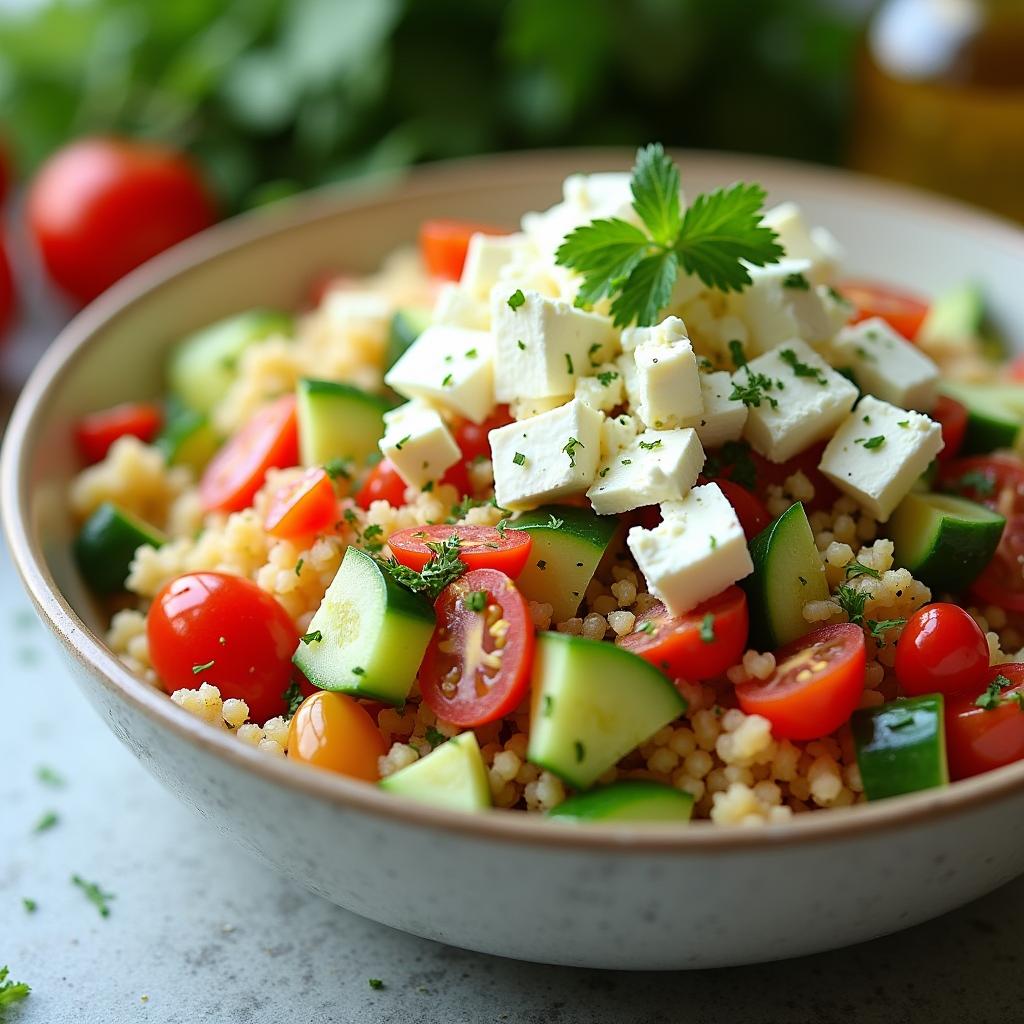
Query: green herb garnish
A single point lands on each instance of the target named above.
(789, 357)
(293, 695)
(855, 569)
(46, 822)
(443, 567)
(475, 600)
(851, 601)
(94, 894)
(11, 991)
(871, 442)
(650, 445)
(516, 299)
(570, 449)
(707, 629)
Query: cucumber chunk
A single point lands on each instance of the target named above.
(107, 543)
(187, 437)
(995, 415)
(943, 540)
(372, 633)
(787, 574)
(901, 746)
(204, 364)
(568, 545)
(628, 800)
(338, 421)
(453, 775)
(958, 319)
(406, 326)
(592, 704)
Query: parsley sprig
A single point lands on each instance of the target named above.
(443, 566)
(11, 991)
(638, 268)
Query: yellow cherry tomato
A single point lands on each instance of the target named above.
(332, 731)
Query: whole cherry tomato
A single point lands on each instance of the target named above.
(334, 732)
(97, 431)
(985, 726)
(941, 650)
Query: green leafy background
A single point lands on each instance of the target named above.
(274, 96)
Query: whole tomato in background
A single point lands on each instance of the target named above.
(99, 207)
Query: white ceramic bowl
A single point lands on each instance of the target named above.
(600, 896)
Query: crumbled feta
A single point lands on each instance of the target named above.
(656, 466)
(527, 408)
(617, 432)
(817, 245)
(455, 307)
(602, 391)
(879, 452)
(696, 551)
(723, 417)
(486, 257)
(418, 443)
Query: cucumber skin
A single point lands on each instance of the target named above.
(406, 326)
(106, 545)
(889, 765)
(310, 393)
(988, 428)
(607, 803)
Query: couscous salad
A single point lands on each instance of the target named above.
(642, 512)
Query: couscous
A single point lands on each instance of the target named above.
(638, 513)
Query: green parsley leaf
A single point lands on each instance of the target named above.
(754, 391)
(733, 462)
(403, 441)
(855, 569)
(650, 445)
(335, 468)
(298, 566)
(312, 638)
(871, 442)
(797, 281)
(707, 629)
(11, 991)
(196, 669)
(516, 299)
(879, 627)
(29, 904)
(358, 670)
(647, 627)
(522, 345)
(605, 378)
(94, 894)
(851, 601)
(789, 357)
(519, 459)
(554, 523)
(645, 293)
(46, 775)
(570, 449)
(443, 566)
(375, 983)
(293, 695)
(475, 600)
(46, 822)
(655, 188)
(568, 363)
(736, 353)
(434, 737)
(448, 381)
(992, 697)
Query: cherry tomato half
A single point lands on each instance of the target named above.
(474, 439)
(307, 506)
(701, 644)
(903, 312)
(209, 627)
(941, 650)
(1002, 582)
(816, 685)
(332, 731)
(269, 440)
(480, 547)
(994, 480)
(443, 245)
(97, 431)
(951, 415)
(100, 207)
(749, 509)
(477, 666)
(979, 739)
(8, 291)
(382, 483)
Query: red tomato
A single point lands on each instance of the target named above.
(473, 439)
(480, 547)
(980, 739)
(941, 650)
(269, 440)
(750, 510)
(457, 476)
(8, 291)
(951, 415)
(1015, 368)
(701, 644)
(477, 666)
(100, 207)
(1002, 582)
(208, 627)
(816, 685)
(334, 732)
(97, 431)
(903, 312)
(443, 245)
(305, 507)
(994, 480)
(382, 484)
(6, 171)
(731, 457)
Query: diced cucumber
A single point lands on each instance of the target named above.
(406, 326)
(107, 543)
(204, 364)
(369, 634)
(592, 704)
(995, 414)
(788, 573)
(943, 540)
(338, 421)
(453, 775)
(901, 746)
(958, 319)
(568, 545)
(628, 800)
(187, 437)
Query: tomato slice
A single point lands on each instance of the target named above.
(1015, 368)
(941, 650)
(1002, 582)
(749, 509)
(951, 415)
(477, 666)
(474, 440)
(305, 507)
(480, 547)
(816, 685)
(980, 739)
(443, 245)
(902, 311)
(269, 440)
(701, 644)
(382, 483)
(994, 480)
(97, 431)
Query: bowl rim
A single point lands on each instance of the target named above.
(438, 180)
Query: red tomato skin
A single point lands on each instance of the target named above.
(305, 507)
(100, 207)
(484, 547)
(6, 171)
(679, 650)
(1003, 471)
(97, 431)
(1015, 368)
(8, 292)
(822, 705)
(749, 509)
(1002, 582)
(270, 440)
(467, 708)
(902, 311)
(473, 439)
(187, 622)
(951, 415)
(941, 650)
(443, 245)
(382, 484)
(978, 740)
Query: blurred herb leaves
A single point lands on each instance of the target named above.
(278, 95)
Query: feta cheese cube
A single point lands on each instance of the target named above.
(486, 257)
(695, 553)
(723, 418)
(664, 384)
(450, 366)
(803, 400)
(418, 443)
(455, 307)
(617, 432)
(886, 365)
(656, 466)
(604, 390)
(817, 245)
(878, 453)
(543, 345)
(546, 458)
(527, 408)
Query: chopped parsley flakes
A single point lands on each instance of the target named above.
(94, 894)
(871, 442)
(196, 669)
(707, 629)
(606, 377)
(46, 822)
(650, 445)
(570, 449)
(519, 459)
(475, 600)
(313, 637)
(516, 299)
(789, 357)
